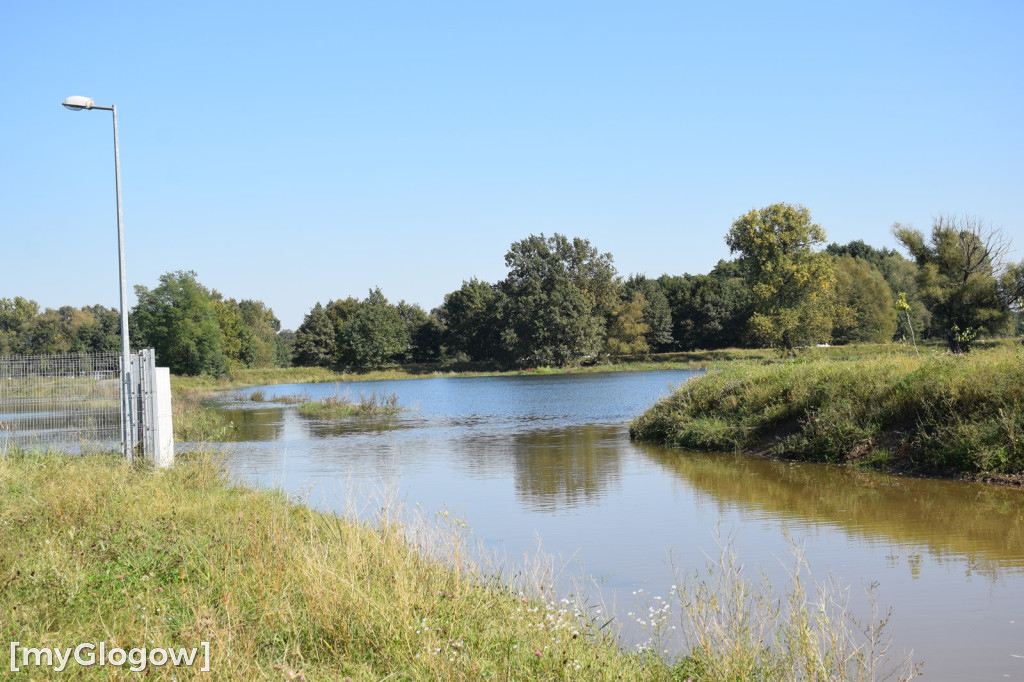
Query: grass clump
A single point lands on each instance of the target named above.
(195, 421)
(937, 414)
(736, 628)
(336, 407)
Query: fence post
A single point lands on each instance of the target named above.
(154, 395)
(163, 427)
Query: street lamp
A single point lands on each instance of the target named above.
(78, 103)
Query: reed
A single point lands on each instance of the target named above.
(338, 406)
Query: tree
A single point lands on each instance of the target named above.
(958, 277)
(859, 249)
(627, 329)
(179, 320)
(709, 311)
(373, 336)
(791, 283)
(1011, 286)
(558, 294)
(469, 318)
(864, 303)
(341, 309)
(657, 313)
(423, 330)
(901, 275)
(259, 347)
(15, 317)
(229, 318)
(315, 340)
(284, 348)
(46, 334)
(101, 333)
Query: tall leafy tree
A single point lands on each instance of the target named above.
(423, 330)
(260, 326)
(229, 317)
(284, 344)
(558, 294)
(958, 277)
(864, 302)
(657, 313)
(15, 317)
(627, 330)
(47, 334)
(1012, 285)
(373, 336)
(179, 320)
(470, 322)
(101, 333)
(341, 309)
(790, 281)
(315, 339)
(901, 276)
(712, 310)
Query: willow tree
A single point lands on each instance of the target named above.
(865, 310)
(791, 282)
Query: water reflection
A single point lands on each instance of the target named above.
(566, 468)
(254, 424)
(952, 519)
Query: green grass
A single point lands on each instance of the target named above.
(196, 422)
(97, 550)
(335, 407)
(935, 414)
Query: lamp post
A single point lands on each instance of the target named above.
(78, 103)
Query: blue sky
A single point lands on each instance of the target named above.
(305, 151)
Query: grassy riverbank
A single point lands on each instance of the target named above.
(96, 550)
(937, 414)
(194, 421)
(240, 378)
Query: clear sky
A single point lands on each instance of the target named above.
(305, 151)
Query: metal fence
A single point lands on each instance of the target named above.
(66, 402)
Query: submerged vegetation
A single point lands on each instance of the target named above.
(333, 407)
(945, 414)
(336, 406)
(97, 550)
(195, 421)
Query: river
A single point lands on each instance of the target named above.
(548, 460)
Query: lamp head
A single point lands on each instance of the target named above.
(77, 103)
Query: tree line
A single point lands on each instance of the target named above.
(564, 303)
